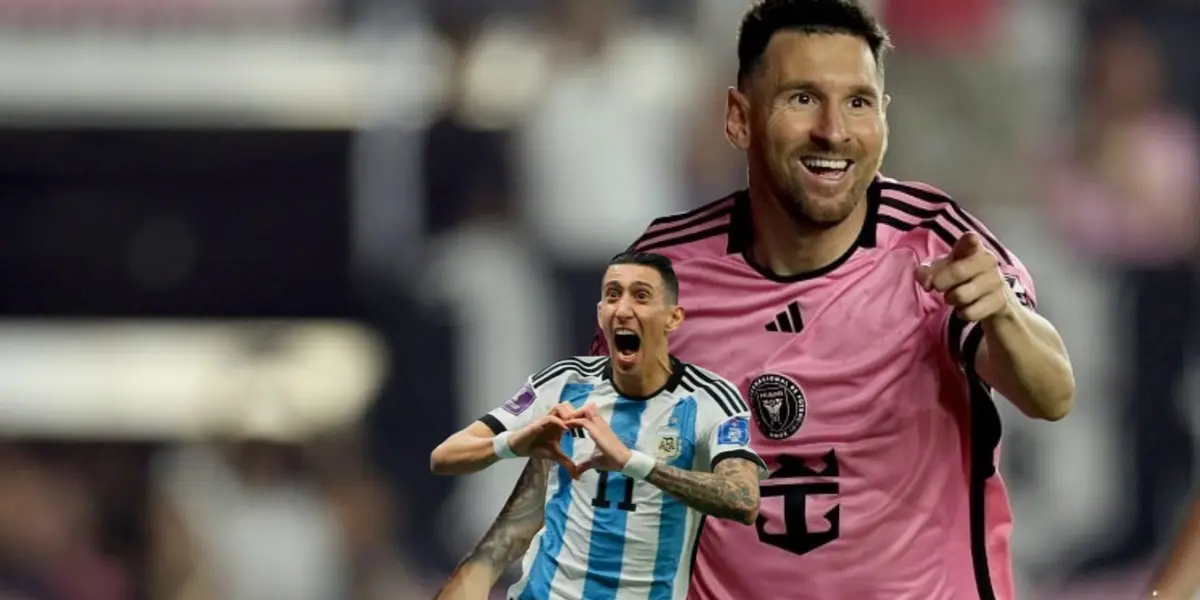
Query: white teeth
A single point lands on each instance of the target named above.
(628, 331)
(826, 163)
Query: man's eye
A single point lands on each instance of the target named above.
(802, 98)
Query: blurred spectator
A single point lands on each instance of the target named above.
(1126, 192)
(50, 528)
(714, 167)
(948, 123)
(465, 163)
(940, 26)
(260, 528)
(603, 150)
(264, 518)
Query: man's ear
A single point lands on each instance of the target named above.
(737, 119)
(675, 319)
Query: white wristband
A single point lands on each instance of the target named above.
(638, 467)
(500, 445)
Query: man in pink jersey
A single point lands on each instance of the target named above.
(866, 320)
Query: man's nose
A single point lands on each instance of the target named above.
(831, 126)
(625, 308)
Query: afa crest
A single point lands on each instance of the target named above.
(669, 444)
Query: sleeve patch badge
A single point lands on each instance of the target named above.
(734, 432)
(521, 401)
(1019, 290)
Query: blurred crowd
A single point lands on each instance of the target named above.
(530, 141)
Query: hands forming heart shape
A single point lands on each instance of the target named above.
(543, 439)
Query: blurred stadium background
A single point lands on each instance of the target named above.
(257, 257)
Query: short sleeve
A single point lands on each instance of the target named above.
(942, 222)
(520, 410)
(729, 437)
(962, 337)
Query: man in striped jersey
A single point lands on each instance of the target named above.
(645, 444)
(867, 321)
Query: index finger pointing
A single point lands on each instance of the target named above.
(966, 246)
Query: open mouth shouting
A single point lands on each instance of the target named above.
(627, 343)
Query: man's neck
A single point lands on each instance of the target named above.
(786, 248)
(653, 376)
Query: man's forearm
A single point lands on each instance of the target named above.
(1179, 577)
(507, 539)
(463, 455)
(1023, 357)
(727, 493)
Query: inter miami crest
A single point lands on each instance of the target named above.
(779, 405)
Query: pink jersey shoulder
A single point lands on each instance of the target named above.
(699, 233)
(927, 221)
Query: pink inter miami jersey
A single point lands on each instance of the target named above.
(880, 439)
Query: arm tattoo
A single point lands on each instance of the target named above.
(729, 492)
(519, 520)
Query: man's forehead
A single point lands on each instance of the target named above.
(836, 59)
(631, 274)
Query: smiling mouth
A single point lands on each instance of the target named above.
(826, 168)
(627, 342)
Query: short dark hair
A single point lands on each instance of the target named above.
(768, 17)
(657, 262)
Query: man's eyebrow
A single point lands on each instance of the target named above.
(805, 85)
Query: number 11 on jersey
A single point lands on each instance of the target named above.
(601, 500)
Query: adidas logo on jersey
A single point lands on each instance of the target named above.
(788, 321)
(577, 432)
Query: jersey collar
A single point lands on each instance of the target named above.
(677, 368)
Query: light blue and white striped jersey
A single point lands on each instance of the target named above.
(608, 537)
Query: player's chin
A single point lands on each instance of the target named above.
(825, 211)
(823, 205)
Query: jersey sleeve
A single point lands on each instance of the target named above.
(540, 393)
(526, 405)
(725, 426)
(961, 337)
(730, 438)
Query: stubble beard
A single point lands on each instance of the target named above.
(808, 215)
